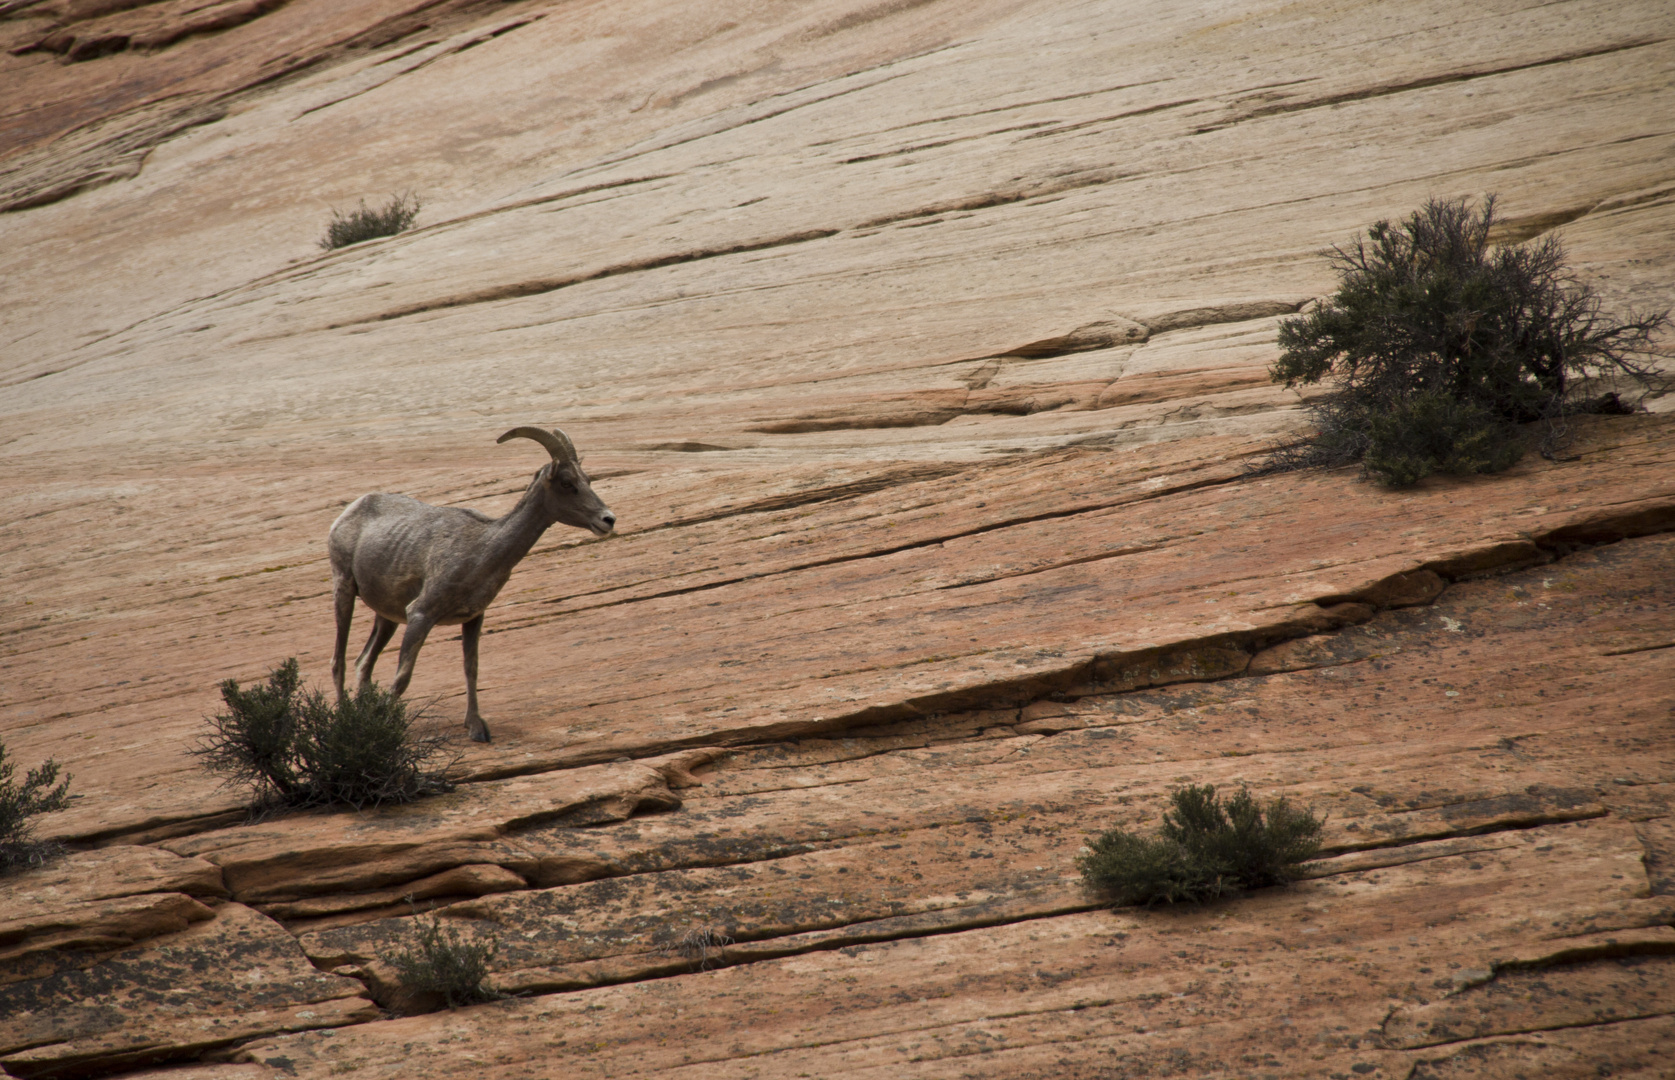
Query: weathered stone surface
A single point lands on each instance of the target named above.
(119, 870)
(71, 935)
(920, 349)
(950, 212)
(235, 976)
(930, 852)
(1602, 992)
(62, 914)
(1084, 991)
(1634, 1048)
(394, 847)
(471, 880)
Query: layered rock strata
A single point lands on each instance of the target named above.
(921, 351)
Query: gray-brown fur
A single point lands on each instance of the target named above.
(428, 566)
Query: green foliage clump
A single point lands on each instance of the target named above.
(1205, 849)
(1440, 345)
(365, 223)
(446, 966)
(41, 792)
(297, 749)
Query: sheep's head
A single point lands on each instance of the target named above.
(563, 485)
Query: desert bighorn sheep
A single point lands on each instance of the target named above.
(431, 566)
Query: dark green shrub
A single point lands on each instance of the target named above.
(1439, 345)
(251, 743)
(20, 802)
(1434, 433)
(298, 749)
(365, 223)
(446, 966)
(1204, 849)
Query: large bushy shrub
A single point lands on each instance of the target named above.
(366, 223)
(1440, 345)
(41, 792)
(1204, 849)
(299, 749)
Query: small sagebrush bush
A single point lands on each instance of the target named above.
(700, 947)
(20, 802)
(443, 964)
(1205, 849)
(298, 749)
(366, 223)
(1440, 345)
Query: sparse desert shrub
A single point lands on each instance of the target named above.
(1204, 849)
(41, 792)
(298, 749)
(699, 947)
(366, 223)
(1440, 345)
(442, 964)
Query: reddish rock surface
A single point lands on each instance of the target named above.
(920, 350)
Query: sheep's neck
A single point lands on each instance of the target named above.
(513, 535)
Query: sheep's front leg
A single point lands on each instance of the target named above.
(344, 602)
(382, 630)
(418, 626)
(468, 635)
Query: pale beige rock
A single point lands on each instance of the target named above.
(921, 349)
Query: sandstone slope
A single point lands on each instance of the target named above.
(920, 349)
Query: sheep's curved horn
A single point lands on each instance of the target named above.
(557, 443)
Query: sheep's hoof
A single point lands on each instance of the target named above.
(478, 730)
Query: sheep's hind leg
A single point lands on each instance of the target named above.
(418, 628)
(382, 630)
(474, 726)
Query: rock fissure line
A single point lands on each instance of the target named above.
(1079, 678)
(1509, 1032)
(1639, 649)
(1637, 521)
(996, 109)
(1520, 824)
(884, 552)
(833, 493)
(841, 935)
(1162, 107)
(1525, 821)
(1440, 80)
(441, 53)
(545, 285)
(1101, 557)
(1496, 1040)
(541, 286)
(712, 129)
(943, 142)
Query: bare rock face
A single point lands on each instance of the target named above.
(66, 914)
(234, 976)
(922, 352)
